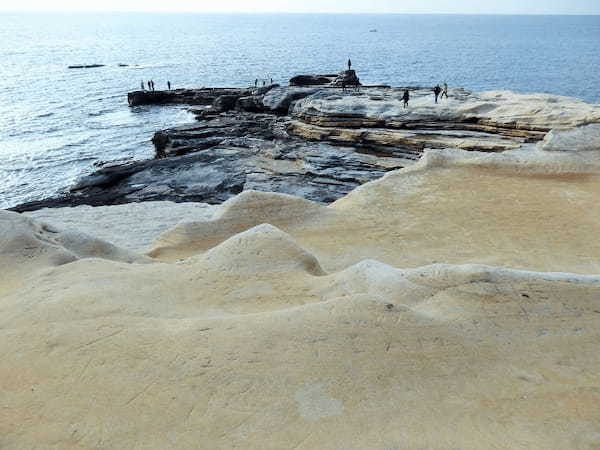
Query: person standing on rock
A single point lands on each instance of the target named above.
(343, 85)
(349, 64)
(256, 82)
(436, 90)
(169, 85)
(445, 91)
(406, 98)
(143, 88)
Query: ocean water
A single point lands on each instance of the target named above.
(55, 122)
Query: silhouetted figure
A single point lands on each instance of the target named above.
(445, 91)
(349, 64)
(271, 80)
(264, 82)
(256, 83)
(169, 85)
(406, 98)
(436, 91)
(343, 85)
(143, 88)
(357, 86)
(152, 84)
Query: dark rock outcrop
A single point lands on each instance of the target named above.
(250, 103)
(279, 100)
(346, 78)
(224, 103)
(218, 158)
(183, 96)
(312, 80)
(88, 66)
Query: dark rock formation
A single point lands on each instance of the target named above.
(225, 103)
(88, 66)
(183, 96)
(250, 103)
(312, 80)
(218, 158)
(347, 78)
(279, 100)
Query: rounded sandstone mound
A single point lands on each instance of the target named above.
(263, 248)
(242, 212)
(23, 239)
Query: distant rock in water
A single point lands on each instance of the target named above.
(89, 66)
(183, 96)
(312, 80)
(347, 76)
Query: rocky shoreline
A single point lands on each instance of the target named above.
(450, 304)
(312, 140)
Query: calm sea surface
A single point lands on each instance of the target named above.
(55, 123)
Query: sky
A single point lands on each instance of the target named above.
(316, 6)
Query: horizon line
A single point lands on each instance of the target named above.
(135, 11)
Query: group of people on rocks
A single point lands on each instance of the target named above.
(151, 85)
(437, 90)
(264, 82)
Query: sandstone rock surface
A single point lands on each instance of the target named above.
(132, 226)
(450, 304)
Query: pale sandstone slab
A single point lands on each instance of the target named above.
(328, 328)
(499, 108)
(132, 226)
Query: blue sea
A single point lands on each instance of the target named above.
(55, 122)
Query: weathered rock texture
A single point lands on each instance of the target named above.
(205, 96)
(487, 121)
(319, 143)
(451, 304)
(346, 78)
(312, 80)
(132, 226)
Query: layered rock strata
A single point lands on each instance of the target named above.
(319, 143)
(450, 304)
